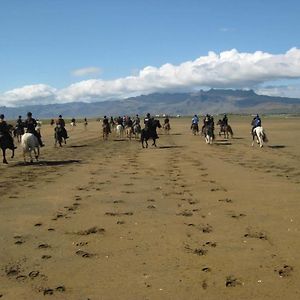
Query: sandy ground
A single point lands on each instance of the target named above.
(110, 220)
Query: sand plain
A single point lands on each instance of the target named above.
(110, 220)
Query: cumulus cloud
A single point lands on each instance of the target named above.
(228, 69)
(89, 71)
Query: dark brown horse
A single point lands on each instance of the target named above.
(225, 129)
(6, 142)
(150, 133)
(106, 131)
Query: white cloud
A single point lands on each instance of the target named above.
(281, 91)
(229, 69)
(89, 71)
(30, 95)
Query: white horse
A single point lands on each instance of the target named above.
(120, 131)
(29, 143)
(38, 126)
(260, 135)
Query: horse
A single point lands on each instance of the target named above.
(30, 143)
(129, 131)
(195, 128)
(208, 134)
(260, 135)
(150, 132)
(38, 127)
(167, 128)
(137, 130)
(58, 135)
(18, 132)
(7, 143)
(105, 131)
(226, 129)
(120, 130)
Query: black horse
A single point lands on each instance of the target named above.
(6, 142)
(150, 133)
(59, 135)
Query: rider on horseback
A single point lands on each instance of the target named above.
(20, 122)
(225, 120)
(166, 121)
(31, 124)
(105, 124)
(62, 124)
(4, 131)
(137, 120)
(148, 121)
(195, 121)
(256, 122)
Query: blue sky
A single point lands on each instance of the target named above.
(44, 41)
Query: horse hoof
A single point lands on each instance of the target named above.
(5, 162)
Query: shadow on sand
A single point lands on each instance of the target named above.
(169, 147)
(276, 146)
(78, 146)
(222, 143)
(48, 163)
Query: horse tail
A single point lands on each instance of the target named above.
(230, 130)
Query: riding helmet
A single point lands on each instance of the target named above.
(1, 116)
(29, 114)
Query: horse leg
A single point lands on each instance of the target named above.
(4, 157)
(154, 143)
(30, 154)
(12, 153)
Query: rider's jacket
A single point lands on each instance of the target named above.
(195, 120)
(61, 122)
(105, 121)
(167, 120)
(256, 122)
(30, 124)
(3, 127)
(19, 122)
(225, 121)
(137, 121)
(129, 123)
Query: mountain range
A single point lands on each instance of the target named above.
(213, 101)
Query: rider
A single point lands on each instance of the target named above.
(130, 123)
(4, 130)
(105, 123)
(256, 122)
(147, 121)
(20, 122)
(166, 121)
(20, 125)
(137, 120)
(195, 121)
(62, 124)
(30, 123)
(225, 120)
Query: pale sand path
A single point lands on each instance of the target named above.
(178, 220)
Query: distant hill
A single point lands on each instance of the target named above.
(213, 101)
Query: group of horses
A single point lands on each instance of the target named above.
(29, 142)
(258, 133)
(135, 131)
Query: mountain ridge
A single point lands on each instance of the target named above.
(212, 101)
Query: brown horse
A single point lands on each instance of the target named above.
(225, 129)
(6, 142)
(106, 131)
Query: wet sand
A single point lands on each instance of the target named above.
(110, 220)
